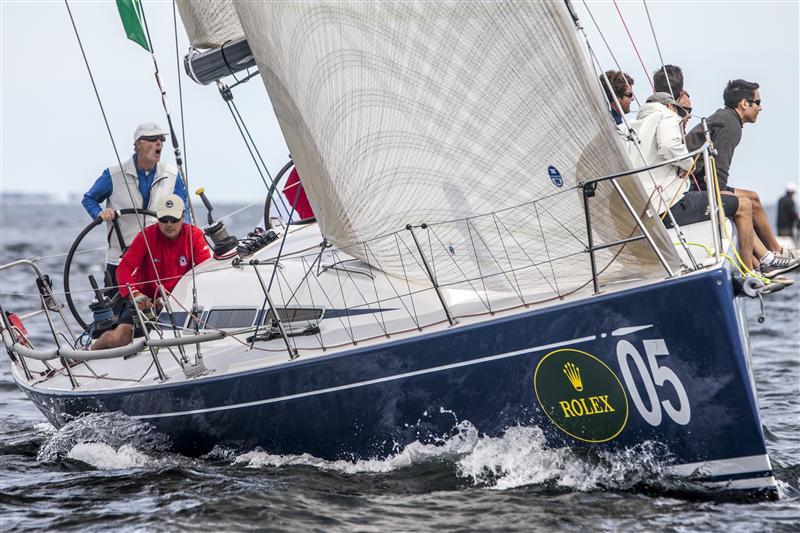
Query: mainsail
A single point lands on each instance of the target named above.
(478, 119)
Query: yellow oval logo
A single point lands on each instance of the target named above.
(581, 395)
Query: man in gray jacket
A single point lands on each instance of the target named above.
(742, 106)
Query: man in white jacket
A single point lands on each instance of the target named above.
(658, 128)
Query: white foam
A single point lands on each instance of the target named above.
(45, 427)
(103, 440)
(414, 453)
(519, 457)
(104, 457)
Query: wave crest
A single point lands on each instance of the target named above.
(520, 457)
(105, 441)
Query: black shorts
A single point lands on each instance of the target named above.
(123, 314)
(693, 208)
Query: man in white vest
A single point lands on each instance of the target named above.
(140, 183)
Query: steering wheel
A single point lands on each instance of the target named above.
(271, 192)
(74, 248)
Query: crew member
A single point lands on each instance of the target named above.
(622, 84)
(742, 106)
(173, 245)
(788, 219)
(140, 183)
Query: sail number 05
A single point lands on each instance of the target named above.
(653, 375)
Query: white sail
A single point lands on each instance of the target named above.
(210, 23)
(403, 113)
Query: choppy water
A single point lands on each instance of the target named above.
(108, 471)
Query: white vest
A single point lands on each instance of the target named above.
(124, 180)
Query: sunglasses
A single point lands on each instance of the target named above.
(152, 138)
(757, 102)
(683, 112)
(169, 220)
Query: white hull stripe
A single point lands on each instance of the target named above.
(373, 381)
(742, 484)
(724, 467)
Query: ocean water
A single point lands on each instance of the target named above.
(108, 471)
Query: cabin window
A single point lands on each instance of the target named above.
(180, 319)
(309, 315)
(230, 318)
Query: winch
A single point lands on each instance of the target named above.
(223, 242)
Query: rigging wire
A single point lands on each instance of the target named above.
(180, 94)
(658, 49)
(249, 142)
(182, 171)
(641, 61)
(110, 135)
(608, 47)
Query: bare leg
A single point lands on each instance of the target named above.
(760, 221)
(119, 336)
(743, 219)
(759, 250)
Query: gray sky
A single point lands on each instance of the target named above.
(53, 139)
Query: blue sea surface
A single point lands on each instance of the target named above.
(109, 472)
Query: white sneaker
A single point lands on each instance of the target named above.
(792, 253)
(782, 280)
(780, 264)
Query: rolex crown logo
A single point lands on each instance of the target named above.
(573, 373)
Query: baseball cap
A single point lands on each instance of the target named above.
(791, 187)
(147, 129)
(170, 206)
(661, 98)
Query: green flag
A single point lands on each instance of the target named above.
(130, 11)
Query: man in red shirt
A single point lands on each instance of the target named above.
(172, 244)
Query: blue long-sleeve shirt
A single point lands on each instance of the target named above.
(103, 187)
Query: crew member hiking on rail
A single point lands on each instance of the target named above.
(172, 244)
(742, 106)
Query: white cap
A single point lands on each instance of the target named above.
(170, 206)
(791, 187)
(147, 129)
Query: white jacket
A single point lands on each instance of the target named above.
(659, 132)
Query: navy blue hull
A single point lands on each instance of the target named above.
(653, 342)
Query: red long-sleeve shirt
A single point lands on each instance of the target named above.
(173, 258)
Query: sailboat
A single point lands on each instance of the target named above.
(475, 256)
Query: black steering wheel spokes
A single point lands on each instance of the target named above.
(107, 292)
